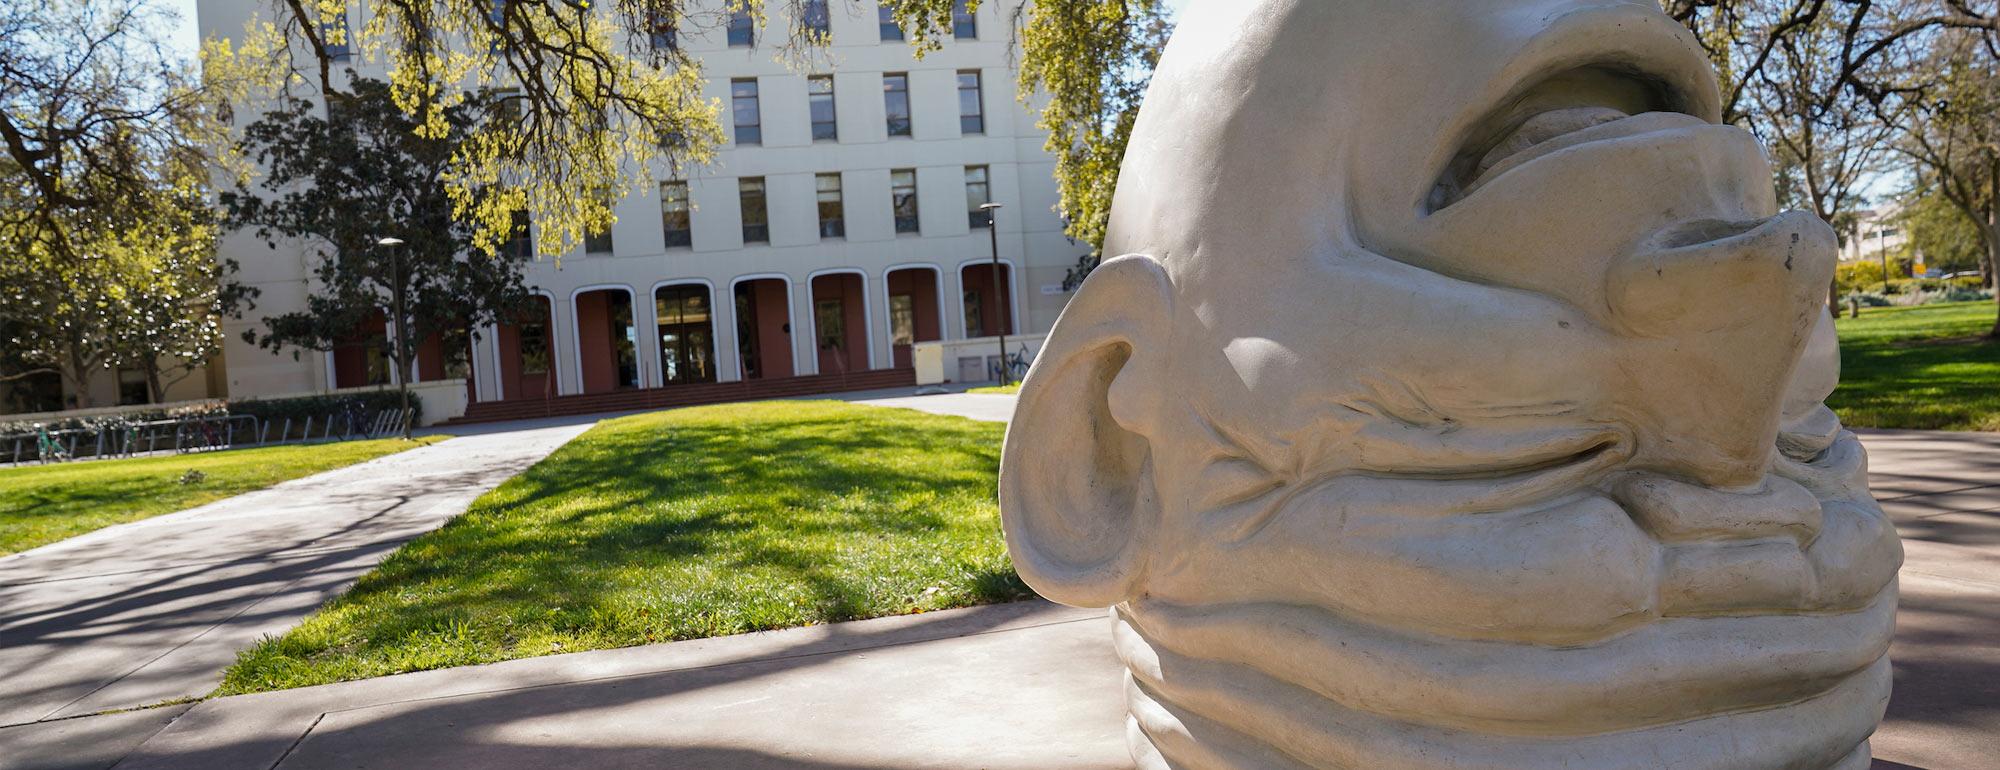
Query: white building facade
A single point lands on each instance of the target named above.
(836, 227)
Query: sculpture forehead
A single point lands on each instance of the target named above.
(1270, 121)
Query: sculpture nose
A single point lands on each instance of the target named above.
(1716, 316)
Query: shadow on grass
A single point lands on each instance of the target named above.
(679, 525)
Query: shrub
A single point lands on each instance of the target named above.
(1867, 299)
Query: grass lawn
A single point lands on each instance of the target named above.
(1920, 367)
(41, 504)
(1007, 390)
(677, 525)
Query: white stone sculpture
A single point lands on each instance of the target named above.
(1458, 405)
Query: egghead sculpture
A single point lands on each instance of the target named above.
(1458, 405)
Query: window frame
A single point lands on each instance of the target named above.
(975, 217)
(759, 231)
(912, 224)
(885, 20)
(685, 238)
(889, 112)
(964, 23)
(978, 90)
(836, 226)
(739, 129)
(832, 122)
(741, 29)
(817, 11)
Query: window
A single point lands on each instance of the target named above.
(535, 339)
(890, 29)
(676, 216)
(742, 28)
(831, 322)
(661, 30)
(896, 102)
(964, 25)
(975, 320)
(756, 217)
(903, 319)
(599, 241)
(971, 107)
(903, 198)
(507, 111)
(749, 118)
(132, 387)
(819, 101)
(334, 34)
(687, 343)
(832, 213)
(978, 192)
(816, 20)
(520, 242)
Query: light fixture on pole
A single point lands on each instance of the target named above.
(993, 229)
(402, 329)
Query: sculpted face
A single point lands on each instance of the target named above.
(1458, 405)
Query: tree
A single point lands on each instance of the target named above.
(1940, 232)
(108, 149)
(1955, 136)
(340, 184)
(95, 116)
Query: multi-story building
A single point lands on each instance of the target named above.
(1876, 232)
(838, 226)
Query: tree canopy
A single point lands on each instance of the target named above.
(335, 186)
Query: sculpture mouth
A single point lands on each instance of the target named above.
(1584, 105)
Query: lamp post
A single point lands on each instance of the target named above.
(1882, 247)
(993, 229)
(402, 329)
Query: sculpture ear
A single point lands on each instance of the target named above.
(1076, 494)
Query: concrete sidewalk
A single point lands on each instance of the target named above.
(154, 610)
(978, 406)
(1015, 686)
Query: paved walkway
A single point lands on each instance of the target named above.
(1017, 686)
(978, 406)
(154, 610)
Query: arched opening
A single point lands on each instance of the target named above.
(840, 323)
(764, 328)
(362, 359)
(913, 311)
(988, 308)
(527, 352)
(447, 355)
(608, 354)
(686, 333)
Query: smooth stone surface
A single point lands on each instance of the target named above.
(154, 610)
(1457, 402)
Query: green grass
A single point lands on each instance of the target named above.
(677, 525)
(1005, 390)
(1925, 367)
(42, 504)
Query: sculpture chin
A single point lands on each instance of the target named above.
(1797, 679)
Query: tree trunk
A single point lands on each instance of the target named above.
(79, 371)
(154, 388)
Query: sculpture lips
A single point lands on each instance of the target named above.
(1564, 110)
(1604, 130)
